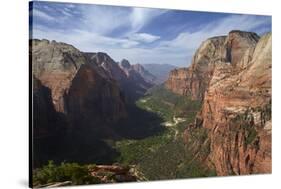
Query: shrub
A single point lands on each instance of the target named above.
(77, 174)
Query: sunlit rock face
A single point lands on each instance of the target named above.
(231, 75)
(195, 79)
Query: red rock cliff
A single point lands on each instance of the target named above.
(194, 81)
(79, 88)
(237, 112)
(232, 77)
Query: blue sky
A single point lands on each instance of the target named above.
(141, 35)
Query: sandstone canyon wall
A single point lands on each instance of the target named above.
(194, 81)
(68, 74)
(77, 97)
(231, 75)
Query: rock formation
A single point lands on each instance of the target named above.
(194, 81)
(136, 85)
(55, 65)
(130, 81)
(68, 74)
(148, 77)
(237, 112)
(231, 75)
(78, 98)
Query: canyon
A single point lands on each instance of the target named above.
(211, 118)
(78, 96)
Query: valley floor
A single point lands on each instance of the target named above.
(164, 156)
(159, 156)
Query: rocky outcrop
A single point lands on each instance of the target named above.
(55, 65)
(94, 101)
(130, 81)
(113, 173)
(100, 174)
(78, 99)
(231, 75)
(48, 125)
(107, 65)
(46, 120)
(237, 112)
(69, 74)
(76, 102)
(148, 77)
(177, 81)
(238, 44)
(136, 85)
(194, 80)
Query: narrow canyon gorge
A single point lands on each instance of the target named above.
(89, 108)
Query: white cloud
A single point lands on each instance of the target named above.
(66, 12)
(139, 17)
(40, 14)
(105, 19)
(91, 34)
(144, 37)
(188, 42)
(101, 19)
(84, 40)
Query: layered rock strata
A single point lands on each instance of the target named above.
(231, 75)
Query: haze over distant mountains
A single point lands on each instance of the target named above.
(160, 71)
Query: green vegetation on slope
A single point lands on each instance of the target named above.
(165, 156)
(158, 153)
(51, 173)
(168, 104)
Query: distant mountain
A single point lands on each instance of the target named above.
(147, 76)
(160, 71)
(131, 83)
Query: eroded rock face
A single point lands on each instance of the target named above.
(107, 65)
(47, 124)
(237, 43)
(75, 102)
(237, 112)
(61, 67)
(148, 77)
(130, 81)
(55, 65)
(178, 81)
(136, 85)
(46, 121)
(94, 101)
(116, 173)
(232, 77)
(194, 80)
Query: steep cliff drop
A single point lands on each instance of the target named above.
(75, 102)
(78, 101)
(232, 77)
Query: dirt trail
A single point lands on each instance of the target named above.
(173, 125)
